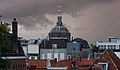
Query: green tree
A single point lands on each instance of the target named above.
(93, 46)
(4, 44)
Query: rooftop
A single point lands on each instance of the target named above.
(110, 57)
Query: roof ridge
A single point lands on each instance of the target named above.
(111, 60)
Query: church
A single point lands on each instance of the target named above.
(60, 45)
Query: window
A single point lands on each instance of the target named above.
(101, 46)
(33, 57)
(54, 46)
(68, 56)
(16, 66)
(43, 56)
(49, 56)
(115, 46)
(21, 65)
(104, 47)
(108, 46)
(98, 45)
(56, 55)
(13, 67)
(111, 46)
(61, 56)
(104, 65)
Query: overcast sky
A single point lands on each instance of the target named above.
(88, 19)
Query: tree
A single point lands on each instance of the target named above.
(4, 44)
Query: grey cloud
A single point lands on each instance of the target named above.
(38, 9)
(31, 14)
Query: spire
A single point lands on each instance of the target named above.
(59, 18)
(59, 11)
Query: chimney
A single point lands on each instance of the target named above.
(15, 33)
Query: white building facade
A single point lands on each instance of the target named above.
(60, 54)
(112, 44)
(31, 48)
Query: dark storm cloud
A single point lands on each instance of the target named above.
(99, 18)
(23, 9)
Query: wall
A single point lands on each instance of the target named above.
(53, 52)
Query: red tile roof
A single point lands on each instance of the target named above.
(83, 64)
(38, 63)
(110, 57)
(68, 63)
(64, 63)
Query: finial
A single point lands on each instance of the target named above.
(59, 6)
(14, 19)
(59, 11)
(59, 18)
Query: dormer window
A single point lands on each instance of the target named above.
(54, 46)
(104, 65)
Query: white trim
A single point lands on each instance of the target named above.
(15, 57)
(101, 63)
(57, 68)
(112, 60)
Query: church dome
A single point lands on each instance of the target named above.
(60, 28)
(59, 31)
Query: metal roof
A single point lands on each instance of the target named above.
(59, 29)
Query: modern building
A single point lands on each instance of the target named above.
(112, 44)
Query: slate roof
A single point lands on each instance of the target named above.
(61, 43)
(59, 29)
(83, 43)
(12, 51)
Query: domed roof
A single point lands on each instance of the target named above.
(59, 29)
